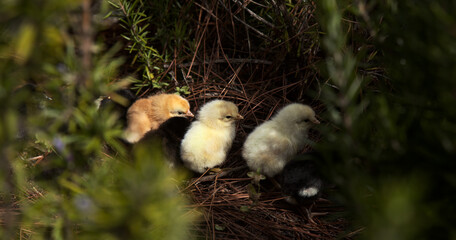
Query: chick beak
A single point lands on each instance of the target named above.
(189, 114)
(314, 120)
(239, 117)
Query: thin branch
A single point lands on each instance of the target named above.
(219, 175)
(253, 14)
(86, 42)
(247, 25)
(230, 60)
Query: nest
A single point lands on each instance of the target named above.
(226, 65)
(233, 210)
(230, 208)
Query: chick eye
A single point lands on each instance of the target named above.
(228, 117)
(306, 120)
(180, 113)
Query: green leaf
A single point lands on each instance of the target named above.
(244, 208)
(219, 227)
(25, 43)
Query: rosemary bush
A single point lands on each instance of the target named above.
(57, 180)
(151, 28)
(390, 151)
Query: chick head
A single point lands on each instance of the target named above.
(299, 114)
(219, 113)
(178, 106)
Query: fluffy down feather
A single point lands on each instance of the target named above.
(273, 143)
(209, 138)
(301, 181)
(148, 113)
(169, 135)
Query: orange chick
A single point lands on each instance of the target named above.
(148, 113)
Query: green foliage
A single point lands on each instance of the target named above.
(136, 22)
(116, 200)
(55, 172)
(185, 90)
(142, 29)
(392, 154)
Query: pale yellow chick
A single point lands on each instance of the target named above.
(273, 143)
(148, 113)
(209, 138)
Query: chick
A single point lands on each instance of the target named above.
(209, 138)
(273, 143)
(169, 135)
(301, 181)
(148, 113)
